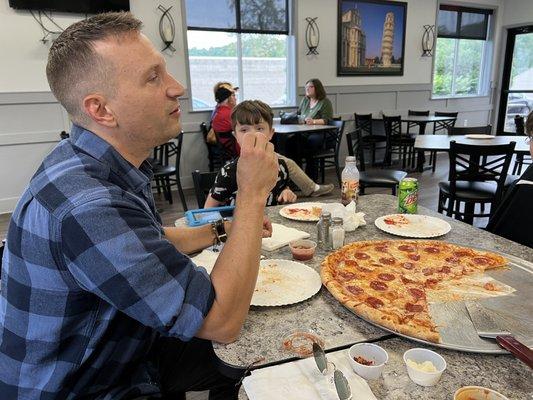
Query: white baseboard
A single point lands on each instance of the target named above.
(8, 205)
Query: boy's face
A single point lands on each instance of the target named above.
(261, 127)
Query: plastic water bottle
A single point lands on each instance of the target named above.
(350, 181)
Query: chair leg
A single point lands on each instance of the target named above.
(373, 154)
(361, 189)
(181, 194)
(167, 188)
(469, 213)
(434, 161)
(322, 170)
(394, 190)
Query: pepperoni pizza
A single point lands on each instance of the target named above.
(389, 282)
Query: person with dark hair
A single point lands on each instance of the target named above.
(513, 217)
(98, 299)
(249, 116)
(315, 109)
(221, 122)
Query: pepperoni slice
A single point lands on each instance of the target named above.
(381, 248)
(361, 256)
(414, 257)
(417, 293)
(387, 260)
(481, 261)
(407, 248)
(354, 289)
(408, 265)
(406, 280)
(445, 269)
(413, 307)
(377, 285)
(347, 275)
(428, 271)
(432, 250)
(453, 259)
(374, 302)
(461, 253)
(386, 277)
(350, 263)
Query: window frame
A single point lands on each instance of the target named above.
(291, 55)
(484, 83)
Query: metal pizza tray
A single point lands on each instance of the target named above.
(513, 312)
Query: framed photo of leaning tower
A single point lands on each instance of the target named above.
(371, 37)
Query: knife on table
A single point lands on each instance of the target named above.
(487, 328)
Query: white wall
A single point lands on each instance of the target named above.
(518, 12)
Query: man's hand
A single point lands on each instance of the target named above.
(257, 168)
(287, 196)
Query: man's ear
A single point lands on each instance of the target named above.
(96, 107)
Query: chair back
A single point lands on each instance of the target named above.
(475, 163)
(164, 152)
(393, 127)
(418, 113)
(213, 152)
(444, 125)
(363, 122)
(469, 130)
(353, 142)
(337, 135)
(227, 146)
(203, 182)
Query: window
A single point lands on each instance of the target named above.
(245, 42)
(462, 53)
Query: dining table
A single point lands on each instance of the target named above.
(442, 143)
(260, 342)
(420, 120)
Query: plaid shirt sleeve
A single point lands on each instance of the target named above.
(115, 250)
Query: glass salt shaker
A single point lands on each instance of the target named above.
(322, 227)
(336, 233)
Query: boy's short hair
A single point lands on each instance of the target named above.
(251, 112)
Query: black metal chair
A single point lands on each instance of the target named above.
(470, 130)
(386, 178)
(422, 125)
(213, 150)
(398, 142)
(165, 174)
(363, 123)
(477, 176)
(2, 246)
(330, 155)
(441, 126)
(227, 146)
(203, 182)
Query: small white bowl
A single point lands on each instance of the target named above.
(477, 393)
(371, 352)
(423, 378)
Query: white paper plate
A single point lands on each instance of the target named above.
(282, 282)
(305, 215)
(479, 136)
(417, 226)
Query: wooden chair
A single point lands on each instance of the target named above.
(363, 123)
(422, 125)
(386, 178)
(167, 175)
(398, 142)
(477, 176)
(330, 156)
(203, 182)
(439, 126)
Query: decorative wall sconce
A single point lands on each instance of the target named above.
(167, 28)
(428, 40)
(312, 36)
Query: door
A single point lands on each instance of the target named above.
(516, 97)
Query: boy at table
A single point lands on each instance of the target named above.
(514, 216)
(249, 116)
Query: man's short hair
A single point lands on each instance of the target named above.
(75, 70)
(251, 112)
(529, 124)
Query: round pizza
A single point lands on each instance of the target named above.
(390, 282)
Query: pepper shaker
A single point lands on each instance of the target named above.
(323, 230)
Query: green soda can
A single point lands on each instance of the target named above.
(408, 196)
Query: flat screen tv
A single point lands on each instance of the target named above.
(72, 6)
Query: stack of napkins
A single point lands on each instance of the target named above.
(302, 380)
(281, 236)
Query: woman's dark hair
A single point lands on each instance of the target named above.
(320, 92)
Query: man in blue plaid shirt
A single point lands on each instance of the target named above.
(98, 300)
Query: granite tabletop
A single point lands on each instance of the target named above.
(501, 373)
(265, 328)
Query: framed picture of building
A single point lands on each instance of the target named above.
(371, 37)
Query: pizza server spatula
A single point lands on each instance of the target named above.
(487, 328)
